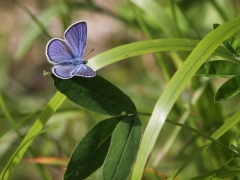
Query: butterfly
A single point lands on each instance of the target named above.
(67, 55)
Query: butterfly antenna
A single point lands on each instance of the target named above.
(90, 52)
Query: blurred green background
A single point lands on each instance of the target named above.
(25, 90)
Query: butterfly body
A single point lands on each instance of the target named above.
(67, 55)
(74, 62)
(79, 61)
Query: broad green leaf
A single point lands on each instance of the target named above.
(91, 151)
(232, 43)
(228, 90)
(174, 88)
(144, 47)
(95, 94)
(222, 173)
(49, 110)
(219, 69)
(123, 149)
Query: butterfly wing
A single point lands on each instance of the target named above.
(63, 53)
(57, 50)
(84, 71)
(76, 37)
(64, 70)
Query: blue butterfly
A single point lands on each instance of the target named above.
(67, 55)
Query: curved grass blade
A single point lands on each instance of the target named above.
(176, 85)
(228, 90)
(219, 69)
(142, 23)
(91, 151)
(95, 94)
(123, 149)
(50, 108)
(143, 47)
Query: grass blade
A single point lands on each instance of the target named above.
(216, 135)
(143, 47)
(179, 81)
(51, 107)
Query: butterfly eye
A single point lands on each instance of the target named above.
(85, 62)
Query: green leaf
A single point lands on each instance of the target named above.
(123, 149)
(91, 151)
(219, 69)
(232, 43)
(228, 90)
(222, 173)
(95, 94)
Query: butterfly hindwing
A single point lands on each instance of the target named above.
(64, 72)
(85, 71)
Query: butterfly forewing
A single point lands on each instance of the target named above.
(76, 37)
(58, 50)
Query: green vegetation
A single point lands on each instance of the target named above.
(155, 110)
